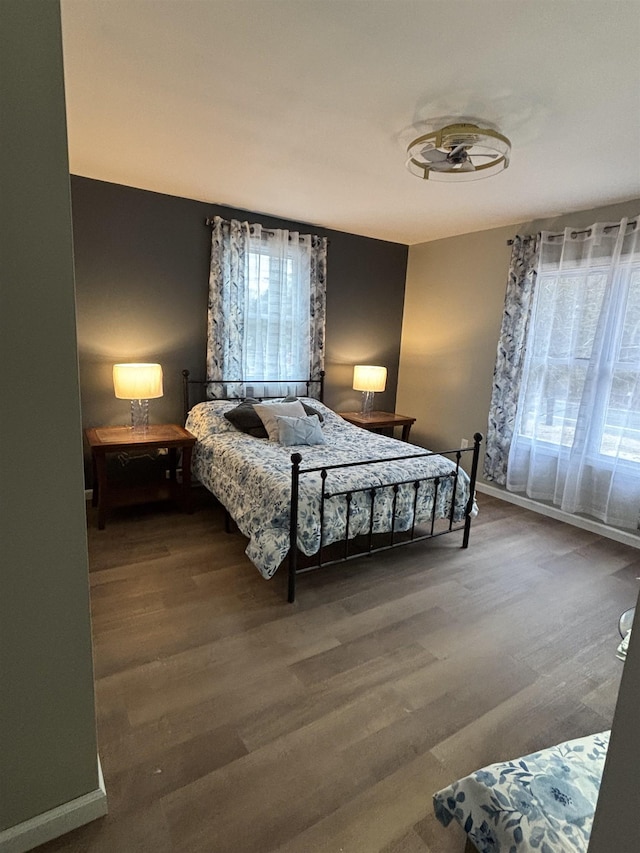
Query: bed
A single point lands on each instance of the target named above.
(539, 803)
(313, 504)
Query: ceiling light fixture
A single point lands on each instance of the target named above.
(458, 152)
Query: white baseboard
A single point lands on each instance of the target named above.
(44, 827)
(624, 536)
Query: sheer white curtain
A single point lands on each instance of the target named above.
(577, 434)
(276, 323)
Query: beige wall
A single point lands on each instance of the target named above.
(452, 314)
(452, 317)
(48, 753)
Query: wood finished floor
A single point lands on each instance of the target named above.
(232, 722)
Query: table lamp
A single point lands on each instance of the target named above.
(138, 383)
(368, 378)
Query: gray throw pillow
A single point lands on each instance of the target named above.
(269, 411)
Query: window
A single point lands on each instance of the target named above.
(576, 436)
(266, 312)
(277, 315)
(570, 318)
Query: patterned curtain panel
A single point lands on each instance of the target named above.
(227, 286)
(507, 375)
(266, 316)
(317, 304)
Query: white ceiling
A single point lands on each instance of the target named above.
(303, 108)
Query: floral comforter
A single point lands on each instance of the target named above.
(251, 477)
(542, 802)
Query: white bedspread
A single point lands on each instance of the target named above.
(252, 478)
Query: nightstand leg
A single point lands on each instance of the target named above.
(186, 479)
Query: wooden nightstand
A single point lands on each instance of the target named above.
(380, 420)
(103, 440)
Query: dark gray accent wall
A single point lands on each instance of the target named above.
(142, 270)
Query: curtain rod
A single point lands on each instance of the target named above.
(209, 223)
(607, 228)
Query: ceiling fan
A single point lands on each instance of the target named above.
(458, 152)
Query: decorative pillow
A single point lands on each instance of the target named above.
(268, 412)
(245, 418)
(305, 430)
(308, 409)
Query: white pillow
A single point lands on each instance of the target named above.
(268, 412)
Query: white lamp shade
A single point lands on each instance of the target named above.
(369, 377)
(137, 381)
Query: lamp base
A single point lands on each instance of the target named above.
(367, 403)
(140, 415)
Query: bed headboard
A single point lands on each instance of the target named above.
(188, 384)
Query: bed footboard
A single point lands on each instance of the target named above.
(415, 532)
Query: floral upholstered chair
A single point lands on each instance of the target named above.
(540, 803)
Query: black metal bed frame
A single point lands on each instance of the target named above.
(395, 538)
(203, 383)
